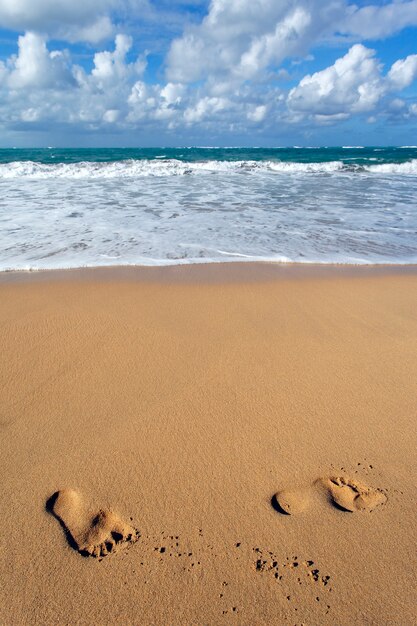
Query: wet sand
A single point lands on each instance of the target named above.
(208, 445)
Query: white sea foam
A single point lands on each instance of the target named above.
(162, 167)
(145, 168)
(165, 212)
(321, 167)
(407, 168)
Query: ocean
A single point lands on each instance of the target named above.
(67, 208)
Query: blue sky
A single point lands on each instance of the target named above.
(193, 72)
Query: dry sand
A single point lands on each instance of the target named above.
(172, 418)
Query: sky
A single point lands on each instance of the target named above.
(77, 73)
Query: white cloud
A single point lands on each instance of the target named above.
(73, 20)
(258, 113)
(3, 72)
(139, 93)
(114, 94)
(331, 119)
(73, 96)
(206, 108)
(142, 101)
(240, 38)
(376, 21)
(403, 72)
(235, 53)
(173, 93)
(111, 115)
(94, 32)
(35, 67)
(354, 84)
(111, 67)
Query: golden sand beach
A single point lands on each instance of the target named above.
(223, 444)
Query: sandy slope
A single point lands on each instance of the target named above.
(176, 403)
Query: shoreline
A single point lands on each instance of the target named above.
(181, 400)
(240, 271)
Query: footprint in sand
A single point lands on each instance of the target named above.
(351, 495)
(291, 501)
(345, 493)
(92, 534)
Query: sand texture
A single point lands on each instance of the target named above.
(208, 446)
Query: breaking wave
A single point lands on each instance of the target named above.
(172, 167)
(162, 206)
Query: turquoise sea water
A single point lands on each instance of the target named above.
(356, 155)
(348, 154)
(86, 207)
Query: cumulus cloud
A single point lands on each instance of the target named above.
(173, 93)
(353, 84)
(206, 108)
(35, 67)
(114, 94)
(221, 73)
(238, 39)
(403, 72)
(111, 67)
(74, 96)
(142, 101)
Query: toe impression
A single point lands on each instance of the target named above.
(94, 535)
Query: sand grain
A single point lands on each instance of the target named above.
(185, 403)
